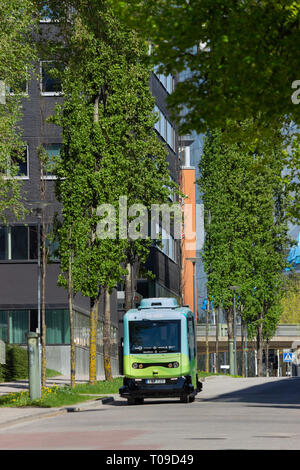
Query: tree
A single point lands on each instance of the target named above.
(246, 238)
(291, 301)
(110, 150)
(242, 55)
(17, 51)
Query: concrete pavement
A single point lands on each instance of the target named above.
(12, 416)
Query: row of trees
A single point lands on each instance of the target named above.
(245, 200)
(240, 92)
(110, 150)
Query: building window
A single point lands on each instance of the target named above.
(3, 243)
(18, 242)
(50, 84)
(82, 330)
(58, 327)
(18, 164)
(3, 326)
(19, 89)
(18, 321)
(53, 152)
(167, 81)
(15, 324)
(168, 243)
(165, 128)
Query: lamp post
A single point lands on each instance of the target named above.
(38, 207)
(194, 261)
(233, 367)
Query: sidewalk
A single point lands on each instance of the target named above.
(12, 416)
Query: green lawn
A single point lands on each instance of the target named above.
(59, 396)
(55, 396)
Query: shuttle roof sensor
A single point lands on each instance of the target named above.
(160, 302)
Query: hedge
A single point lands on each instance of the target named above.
(16, 366)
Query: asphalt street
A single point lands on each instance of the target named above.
(250, 414)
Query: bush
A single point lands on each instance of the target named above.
(16, 366)
(2, 372)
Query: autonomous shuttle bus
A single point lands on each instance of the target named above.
(159, 352)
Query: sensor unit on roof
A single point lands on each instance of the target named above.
(163, 302)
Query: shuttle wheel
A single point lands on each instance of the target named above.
(187, 399)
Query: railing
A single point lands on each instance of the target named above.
(292, 330)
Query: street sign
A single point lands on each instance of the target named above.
(287, 357)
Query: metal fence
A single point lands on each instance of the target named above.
(292, 330)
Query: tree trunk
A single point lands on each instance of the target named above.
(217, 339)
(206, 338)
(94, 302)
(128, 288)
(94, 308)
(106, 337)
(71, 317)
(43, 311)
(243, 348)
(259, 342)
(267, 358)
(230, 339)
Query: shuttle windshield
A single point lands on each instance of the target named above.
(154, 336)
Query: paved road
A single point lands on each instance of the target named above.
(254, 413)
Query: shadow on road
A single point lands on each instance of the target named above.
(148, 401)
(284, 392)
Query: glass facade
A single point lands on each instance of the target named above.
(165, 128)
(166, 80)
(50, 85)
(3, 326)
(81, 330)
(15, 324)
(58, 328)
(53, 152)
(18, 242)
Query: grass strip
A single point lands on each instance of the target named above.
(58, 396)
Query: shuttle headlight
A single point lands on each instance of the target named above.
(134, 365)
(175, 364)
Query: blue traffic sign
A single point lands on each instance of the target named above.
(287, 357)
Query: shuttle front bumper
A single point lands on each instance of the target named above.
(158, 388)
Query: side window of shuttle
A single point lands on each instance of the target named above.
(191, 338)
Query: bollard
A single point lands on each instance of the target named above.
(34, 366)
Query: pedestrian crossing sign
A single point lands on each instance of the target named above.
(287, 357)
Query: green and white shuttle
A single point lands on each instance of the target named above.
(159, 352)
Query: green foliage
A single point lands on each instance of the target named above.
(246, 227)
(17, 51)
(242, 63)
(56, 396)
(2, 372)
(243, 55)
(110, 148)
(16, 366)
(291, 301)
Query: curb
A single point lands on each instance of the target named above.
(84, 405)
(56, 412)
(24, 419)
